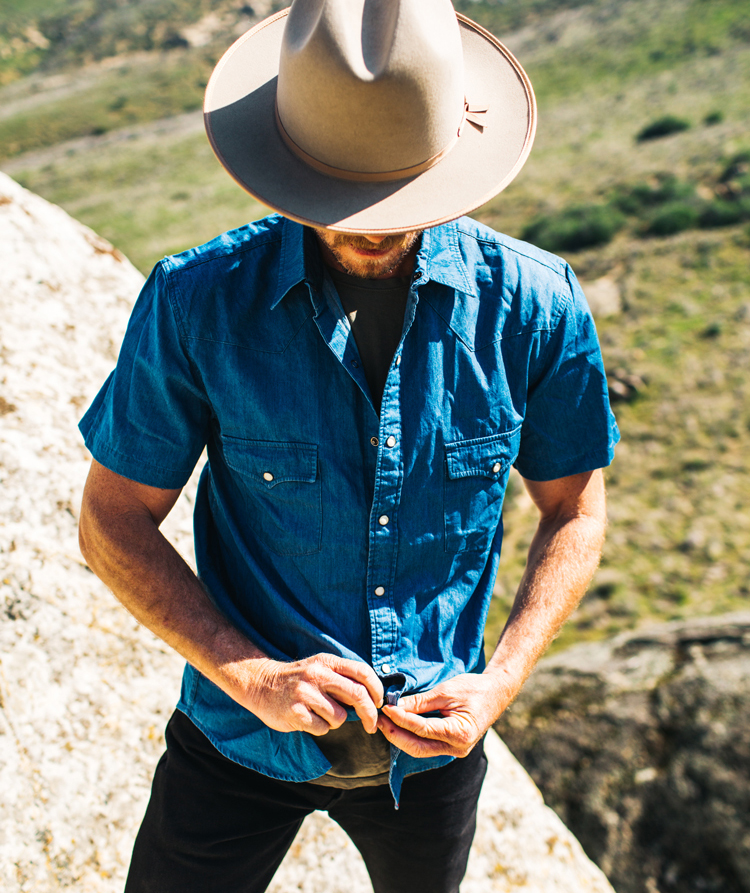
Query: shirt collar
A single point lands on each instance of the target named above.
(292, 259)
(439, 259)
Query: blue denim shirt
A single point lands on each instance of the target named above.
(320, 527)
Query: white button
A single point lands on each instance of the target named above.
(379, 590)
(398, 361)
(391, 442)
(383, 520)
(386, 669)
(267, 476)
(496, 467)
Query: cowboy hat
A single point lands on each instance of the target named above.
(370, 116)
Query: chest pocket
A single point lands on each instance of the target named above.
(281, 488)
(476, 475)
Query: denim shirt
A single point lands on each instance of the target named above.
(319, 526)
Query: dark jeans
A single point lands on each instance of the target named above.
(213, 826)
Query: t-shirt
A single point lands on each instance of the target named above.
(375, 309)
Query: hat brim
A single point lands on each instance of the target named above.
(240, 120)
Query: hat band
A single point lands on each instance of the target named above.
(366, 176)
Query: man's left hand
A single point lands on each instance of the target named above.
(468, 705)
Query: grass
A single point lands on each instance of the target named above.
(144, 90)
(606, 45)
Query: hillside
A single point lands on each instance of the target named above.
(118, 144)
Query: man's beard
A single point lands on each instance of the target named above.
(363, 267)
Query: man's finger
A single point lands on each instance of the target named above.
(425, 702)
(423, 726)
(308, 720)
(359, 672)
(355, 695)
(413, 744)
(329, 710)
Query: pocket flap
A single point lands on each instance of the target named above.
(270, 463)
(487, 457)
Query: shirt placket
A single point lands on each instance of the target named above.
(383, 532)
(383, 521)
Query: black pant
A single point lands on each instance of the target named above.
(213, 826)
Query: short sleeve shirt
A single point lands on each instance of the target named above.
(319, 525)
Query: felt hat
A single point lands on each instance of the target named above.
(370, 116)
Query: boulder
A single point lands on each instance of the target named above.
(642, 746)
(85, 692)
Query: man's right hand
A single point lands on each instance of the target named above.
(309, 695)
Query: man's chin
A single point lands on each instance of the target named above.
(370, 269)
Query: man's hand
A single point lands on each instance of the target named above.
(307, 695)
(468, 705)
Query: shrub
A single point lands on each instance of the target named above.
(662, 127)
(723, 213)
(713, 118)
(734, 182)
(663, 188)
(581, 226)
(672, 218)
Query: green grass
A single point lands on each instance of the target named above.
(611, 44)
(146, 90)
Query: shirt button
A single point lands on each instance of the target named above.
(374, 441)
(391, 442)
(398, 361)
(385, 669)
(355, 364)
(383, 520)
(267, 476)
(496, 467)
(379, 590)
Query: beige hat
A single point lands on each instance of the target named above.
(370, 116)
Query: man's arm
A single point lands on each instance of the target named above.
(562, 559)
(121, 541)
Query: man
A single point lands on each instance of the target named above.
(363, 369)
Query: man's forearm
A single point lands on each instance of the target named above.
(562, 560)
(151, 579)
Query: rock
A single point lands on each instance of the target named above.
(603, 296)
(84, 691)
(642, 746)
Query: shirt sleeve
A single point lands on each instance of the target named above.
(149, 421)
(568, 427)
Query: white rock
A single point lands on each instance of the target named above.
(603, 296)
(84, 691)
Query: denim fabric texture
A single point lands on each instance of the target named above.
(319, 526)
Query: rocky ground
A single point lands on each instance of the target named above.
(642, 745)
(84, 691)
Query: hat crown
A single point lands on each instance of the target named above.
(371, 85)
